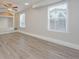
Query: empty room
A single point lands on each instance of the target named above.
(39, 29)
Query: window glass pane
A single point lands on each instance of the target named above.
(22, 20)
(61, 20)
(58, 17)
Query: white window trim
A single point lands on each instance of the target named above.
(67, 22)
(20, 22)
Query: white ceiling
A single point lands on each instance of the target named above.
(20, 3)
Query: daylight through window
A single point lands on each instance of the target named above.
(22, 20)
(57, 18)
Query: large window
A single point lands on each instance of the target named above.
(22, 20)
(57, 17)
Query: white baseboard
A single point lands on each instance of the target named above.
(7, 32)
(60, 42)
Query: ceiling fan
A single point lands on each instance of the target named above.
(10, 6)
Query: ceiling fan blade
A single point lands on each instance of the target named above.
(6, 5)
(15, 7)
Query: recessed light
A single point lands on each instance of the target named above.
(26, 3)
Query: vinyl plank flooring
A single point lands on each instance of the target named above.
(20, 46)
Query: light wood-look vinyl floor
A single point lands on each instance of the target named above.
(20, 46)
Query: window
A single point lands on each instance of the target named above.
(22, 20)
(57, 18)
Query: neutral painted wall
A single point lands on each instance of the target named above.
(37, 23)
(17, 20)
(6, 24)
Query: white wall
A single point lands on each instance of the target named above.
(37, 22)
(5, 24)
(17, 20)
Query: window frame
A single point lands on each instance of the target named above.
(24, 20)
(67, 22)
